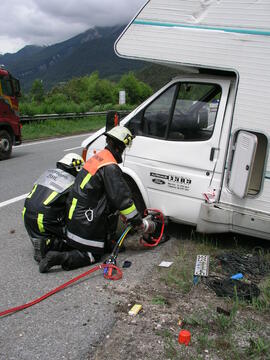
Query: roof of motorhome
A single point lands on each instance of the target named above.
(247, 16)
(198, 33)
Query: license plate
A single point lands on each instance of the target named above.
(202, 265)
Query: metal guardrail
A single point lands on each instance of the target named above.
(43, 117)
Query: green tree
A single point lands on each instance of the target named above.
(37, 91)
(104, 92)
(136, 90)
(83, 94)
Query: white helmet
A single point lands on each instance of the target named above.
(122, 134)
(71, 163)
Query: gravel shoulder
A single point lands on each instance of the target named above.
(171, 302)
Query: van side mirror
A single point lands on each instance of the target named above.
(112, 120)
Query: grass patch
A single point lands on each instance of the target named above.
(207, 244)
(251, 325)
(224, 323)
(159, 300)
(169, 345)
(223, 343)
(225, 336)
(194, 320)
(262, 303)
(180, 274)
(179, 277)
(204, 341)
(258, 348)
(50, 128)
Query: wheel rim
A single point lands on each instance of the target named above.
(4, 144)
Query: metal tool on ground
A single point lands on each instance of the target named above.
(108, 272)
(152, 231)
(153, 227)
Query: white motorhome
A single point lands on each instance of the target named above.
(201, 152)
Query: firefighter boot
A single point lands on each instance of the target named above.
(77, 259)
(41, 247)
(51, 259)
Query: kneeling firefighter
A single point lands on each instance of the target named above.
(45, 207)
(98, 191)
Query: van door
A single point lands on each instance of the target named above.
(243, 162)
(176, 149)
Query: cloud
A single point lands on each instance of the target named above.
(45, 22)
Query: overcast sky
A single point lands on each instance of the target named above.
(45, 22)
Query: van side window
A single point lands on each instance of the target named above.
(184, 112)
(157, 115)
(195, 112)
(153, 120)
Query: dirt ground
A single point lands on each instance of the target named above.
(171, 302)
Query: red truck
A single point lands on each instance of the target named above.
(10, 126)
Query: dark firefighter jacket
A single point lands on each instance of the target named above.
(99, 190)
(45, 207)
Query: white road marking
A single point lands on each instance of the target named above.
(75, 148)
(21, 197)
(50, 140)
(11, 201)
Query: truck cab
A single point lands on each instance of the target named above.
(10, 126)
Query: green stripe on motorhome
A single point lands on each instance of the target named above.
(203, 27)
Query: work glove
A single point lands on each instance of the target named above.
(136, 221)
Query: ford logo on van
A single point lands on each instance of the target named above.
(158, 181)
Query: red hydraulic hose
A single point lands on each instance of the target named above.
(63, 286)
(107, 274)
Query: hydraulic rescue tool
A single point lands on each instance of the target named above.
(152, 231)
(153, 227)
(108, 272)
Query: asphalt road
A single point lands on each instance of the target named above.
(69, 324)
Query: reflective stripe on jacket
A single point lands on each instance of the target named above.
(99, 190)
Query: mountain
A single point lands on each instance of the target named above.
(90, 51)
